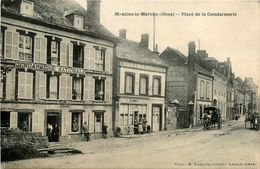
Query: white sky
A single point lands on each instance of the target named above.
(237, 37)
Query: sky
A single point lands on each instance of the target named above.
(237, 37)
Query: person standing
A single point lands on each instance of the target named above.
(105, 130)
(140, 127)
(85, 131)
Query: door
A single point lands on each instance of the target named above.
(53, 127)
(99, 120)
(156, 118)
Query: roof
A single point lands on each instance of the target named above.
(133, 51)
(52, 12)
(172, 57)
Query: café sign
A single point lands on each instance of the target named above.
(45, 67)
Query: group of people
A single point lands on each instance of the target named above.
(141, 126)
(86, 133)
(53, 132)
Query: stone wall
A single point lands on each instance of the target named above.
(11, 137)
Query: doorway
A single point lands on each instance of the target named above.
(53, 126)
(156, 118)
(98, 121)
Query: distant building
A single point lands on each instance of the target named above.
(188, 81)
(140, 83)
(56, 62)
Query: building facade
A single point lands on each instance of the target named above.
(57, 68)
(140, 86)
(189, 83)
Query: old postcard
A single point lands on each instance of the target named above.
(130, 84)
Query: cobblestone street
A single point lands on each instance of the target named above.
(232, 146)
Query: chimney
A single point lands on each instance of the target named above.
(145, 40)
(192, 48)
(93, 9)
(122, 33)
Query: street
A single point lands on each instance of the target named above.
(231, 147)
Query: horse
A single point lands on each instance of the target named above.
(215, 119)
(251, 118)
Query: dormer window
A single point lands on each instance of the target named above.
(26, 8)
(78, 21)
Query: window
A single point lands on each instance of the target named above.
(129, 83)
(202, 86)
(100, 60)
(25, 85)
(156, 86)
(78, 21)
(77, 89)
(25, 48)
(2, 42)
(78, 55)
(5, 119)
(53, 52)
(26, 8)
(99, 89)
(52, 87)
(76, 121)
(25, 121)
(208, 91)
(143, 84)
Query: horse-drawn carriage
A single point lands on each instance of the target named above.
(254, 120)
(211, 118)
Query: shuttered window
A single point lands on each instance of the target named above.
(42, 85)
(99, 89)
(77, 88)
(11, 44)
(52, 87)
(143, 85)
(63, 54)
(65, 87)
(109, 60)
(40, 50)
(25, 47)
(100, 60)
(129, 83)
(25, 85)
(108, 89)
(89, 86)
(156, 86)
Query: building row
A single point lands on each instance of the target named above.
(61, 67)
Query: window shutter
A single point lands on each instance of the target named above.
(108, 61)
(136, 84)
(29, 85)
(86, 88)
(108, 89)
(43, 50)
(35, 121)
(92, 59)
(8, 44)
(21, 84)
(69, 87)
(63, 88)
(63, 53)
(68, 122)
(70, 57)
(37, 49)
(86, 57)
(42, 86)
(15, 45)
(91, 88)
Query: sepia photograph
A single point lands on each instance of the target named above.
(127, 84)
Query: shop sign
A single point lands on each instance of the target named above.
(45, 67)
(133, 100)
